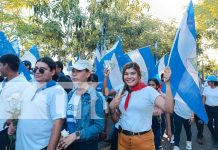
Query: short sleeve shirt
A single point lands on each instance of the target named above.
(138, 116)
(211, 96)
(39, 111)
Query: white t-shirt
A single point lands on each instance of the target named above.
(13, 89)
(211, 96)
(181, 108)
(138, 116)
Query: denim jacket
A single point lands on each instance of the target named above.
(91, 121)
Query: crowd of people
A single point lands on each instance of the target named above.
(54, 111)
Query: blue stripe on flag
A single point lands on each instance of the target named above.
(35, 52)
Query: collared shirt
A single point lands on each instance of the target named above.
(9, 90)
(40, 109)
(85, 115)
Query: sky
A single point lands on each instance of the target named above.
(168, 9)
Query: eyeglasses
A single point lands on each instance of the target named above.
(41, 70)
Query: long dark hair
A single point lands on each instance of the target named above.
(129, 65)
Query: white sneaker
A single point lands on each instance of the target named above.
(172, 139)
(176, 148)
(188, 145)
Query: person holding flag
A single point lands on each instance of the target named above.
(132, 108)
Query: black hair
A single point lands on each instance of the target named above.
(27, 63)
(49, 61)
(155, 81)
(92, 78)
(12, 61)
(162, 77)
(59, 64)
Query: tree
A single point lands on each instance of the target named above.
(207, 22)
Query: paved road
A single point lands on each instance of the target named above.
(207, 145)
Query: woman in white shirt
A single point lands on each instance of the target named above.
(210, 98)
(133, 109)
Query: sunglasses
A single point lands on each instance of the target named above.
(151, 84)
(41, 70)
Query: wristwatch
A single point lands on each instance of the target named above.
(77, 133)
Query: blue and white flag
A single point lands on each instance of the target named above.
(142, 56)
(15, 45)
(117, 51)
(182, 61)
(6, 48)
(32, 55)
(161, 65)
(98, 54)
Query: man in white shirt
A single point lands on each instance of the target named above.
(43, 110)
(11, 90)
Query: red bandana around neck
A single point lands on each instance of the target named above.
(137, 87)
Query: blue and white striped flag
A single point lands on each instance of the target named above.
(162, 63)
(142, 56)
(114, 52)
(182, 61)
(6, 48)
(32, 55)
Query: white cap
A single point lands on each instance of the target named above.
(82, 65)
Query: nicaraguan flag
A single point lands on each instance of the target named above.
(183, 63)
(114, 52)
(162, 63)
(6, 48)
(144, 58)
(141, 56)
(32, 55)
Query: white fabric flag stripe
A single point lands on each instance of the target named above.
(30, 57)
(136, 56)
(115, 73)
(187, 49)
(161, 66)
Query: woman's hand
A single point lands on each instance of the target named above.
(191, 120)
(167, 74)
(66, 141)
(115, 102)
(106, 72)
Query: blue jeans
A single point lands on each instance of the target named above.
(158, 127)
(178, 122)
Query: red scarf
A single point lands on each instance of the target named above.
(137, 87)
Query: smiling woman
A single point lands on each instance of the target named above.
(132, 109)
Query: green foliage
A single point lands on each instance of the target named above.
(207, 22)
(60, 27)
